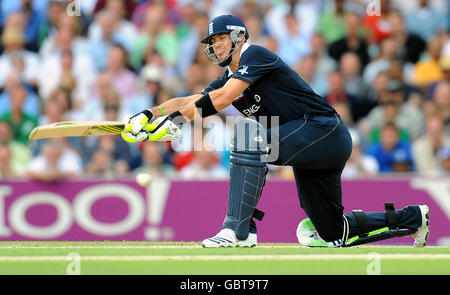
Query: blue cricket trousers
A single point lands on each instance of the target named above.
(317, 148)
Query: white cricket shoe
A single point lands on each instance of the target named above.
(307, 235)
(227, 238)
(421, 235)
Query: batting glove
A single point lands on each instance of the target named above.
(163, 129)
(138, 121)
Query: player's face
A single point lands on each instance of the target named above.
(221, 45)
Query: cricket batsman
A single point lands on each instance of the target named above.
(310, 137)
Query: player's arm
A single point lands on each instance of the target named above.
(207, 105)
(137, 122)
(215, 100)
(173, 105)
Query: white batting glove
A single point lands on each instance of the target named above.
(163, 129)
(138, 121)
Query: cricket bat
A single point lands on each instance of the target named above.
(76, 128)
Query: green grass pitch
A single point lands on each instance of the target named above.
(178, 258)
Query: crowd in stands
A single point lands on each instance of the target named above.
(384, 65)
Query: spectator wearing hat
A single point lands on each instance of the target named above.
(16, 59)
(425, 149)
(392, 154)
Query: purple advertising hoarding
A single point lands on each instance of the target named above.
(117, 210)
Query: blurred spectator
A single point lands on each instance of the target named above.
(32, 102)
(392, 154)
(122, 79)
(65, 36)
(425, 149)
(124, 8)
(353, 41)
(48, 25)
(27, 20)
(344, 111)
(255, 29)
(350, 70)
(153, 160)
(306, 68)
(425, 21)
(151, 78)
(56, 109)
(110, 148)
(306, 12)
(16, 59)
(6, 169)
(21, 123)
(359, 164)
(441, 101)
(444, 160)
(388, 52)
(332, 23)
(148, 33)
(55, 162)
(196, 23)
(337, 94)
(108, 156)
(204, 165)
(409, 45)
(124, 30)
(18, 154)
(99, 46)
(294, 43)
(427, 71)
(324, 63)
(392, 109)
(110, 107)
(64, 56)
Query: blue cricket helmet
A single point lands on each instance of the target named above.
(225, 24)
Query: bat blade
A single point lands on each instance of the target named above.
(76, 128)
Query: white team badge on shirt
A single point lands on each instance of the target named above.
(243, 71)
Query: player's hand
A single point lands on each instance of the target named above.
(138, 121)
(163, 129)
(130, 137)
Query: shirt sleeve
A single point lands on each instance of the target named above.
(255, 62)
(216, 84)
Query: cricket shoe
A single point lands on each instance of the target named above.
(421, 235)
(227, 238)
(307, 235)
